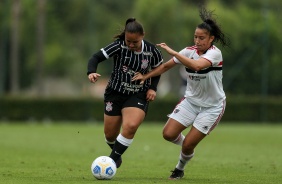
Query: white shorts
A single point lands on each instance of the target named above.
(204, 119)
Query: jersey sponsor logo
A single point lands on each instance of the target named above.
(109, 106)
(131, 87)
(124, 68)
(144, 64)
(196, 78)
(148, 54)
(127, 70)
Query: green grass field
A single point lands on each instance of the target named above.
(60, 153)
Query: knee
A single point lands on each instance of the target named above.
(129, 130)
(168, 136)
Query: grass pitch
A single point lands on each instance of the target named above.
(57, 153)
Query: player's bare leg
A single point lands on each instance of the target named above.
(131, 119)
(190, 142)
(112, 125)
(172, 132)
(192, 139)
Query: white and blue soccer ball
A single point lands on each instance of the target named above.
(103, 168)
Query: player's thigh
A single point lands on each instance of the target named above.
(134, 110)
(184, 113)
(132, 117)
(172, 129)
(182, 117)
(112, 125)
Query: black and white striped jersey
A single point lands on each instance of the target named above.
(127, 62)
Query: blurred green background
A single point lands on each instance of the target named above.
(45, 46)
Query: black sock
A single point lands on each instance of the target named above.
(111, 145)
(117, 151)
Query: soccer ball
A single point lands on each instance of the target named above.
(103, 168)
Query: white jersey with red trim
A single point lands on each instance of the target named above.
(204, 87)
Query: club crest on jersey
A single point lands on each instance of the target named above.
(109, 106)
(176, 111)
(145, 63)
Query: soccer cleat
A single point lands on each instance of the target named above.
(176, 174)
(118, 162)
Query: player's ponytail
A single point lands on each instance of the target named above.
(210, 24)
(131, 26)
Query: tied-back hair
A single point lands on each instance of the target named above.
(210, 24)
(131, 26)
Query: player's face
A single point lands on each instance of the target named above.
(202, 40)
(134, 41)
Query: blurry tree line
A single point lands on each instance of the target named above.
(53, 39)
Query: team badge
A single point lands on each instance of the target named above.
(145, 63)
(109, 106)
(176, 111)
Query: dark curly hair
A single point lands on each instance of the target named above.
(210, 24)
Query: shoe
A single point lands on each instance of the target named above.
(118, 162)
(176, 174)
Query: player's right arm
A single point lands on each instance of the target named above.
(93, 65)
(155, 72)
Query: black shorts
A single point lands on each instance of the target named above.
(115, 101)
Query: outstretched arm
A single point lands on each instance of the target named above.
(195, 65)
(157, 71)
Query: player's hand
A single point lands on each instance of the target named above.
(93, 77)
(167, 48)
(151, 95)
(138, 76)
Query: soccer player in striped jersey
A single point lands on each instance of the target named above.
(204, 101)
(125, 101)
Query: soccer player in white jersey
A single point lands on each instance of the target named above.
(125, 101)
(203, 104)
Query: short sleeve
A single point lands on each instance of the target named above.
(112, 49)
(214, 56)
(157, 58)
(188, 52)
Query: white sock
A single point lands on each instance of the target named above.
(183, 160)
(124, 141)
(179, 140)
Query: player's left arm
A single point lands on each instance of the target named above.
(192, 64)
(195, 65)
(210, 58)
